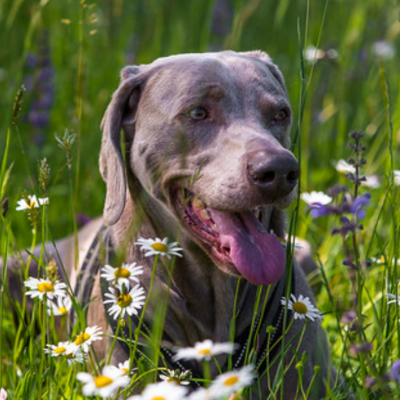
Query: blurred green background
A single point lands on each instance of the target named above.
(68, 54)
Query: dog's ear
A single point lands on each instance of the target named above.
(271, 66)
(121, 110)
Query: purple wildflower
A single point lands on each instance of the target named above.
(357, 208)
(31, 60)
(364, 347)
(82, 219)
(346, 227)
(349, 317)
(348, 206)
(367, 263)
(349, 263)
(222, 19)
(395, 371)
(39, 83)
(369, 381)
(319, 210)
(37, 117)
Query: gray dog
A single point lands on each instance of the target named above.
(206, 160)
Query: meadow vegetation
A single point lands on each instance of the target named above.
(59, 65)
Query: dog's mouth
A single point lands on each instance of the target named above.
(236, 241)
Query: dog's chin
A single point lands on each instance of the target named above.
(236, 242)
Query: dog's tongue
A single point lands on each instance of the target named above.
(257, 255)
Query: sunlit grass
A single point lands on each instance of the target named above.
(78, 48)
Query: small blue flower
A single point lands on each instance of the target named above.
(319, 210)
(31, 60)
(349, 317)
(357, 208)
(40, 84)
(364, 347)
(395, 372)
(349, 263)
(369, 381)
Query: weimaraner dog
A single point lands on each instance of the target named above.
(205, 159)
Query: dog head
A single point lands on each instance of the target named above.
(206, 136)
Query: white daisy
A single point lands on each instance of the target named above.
(379, 260)
(383, 49)
(382, 260)
(76, 357)
(105, 385)
(3, 394)
(33, 202)
(61, 349)
(371, 181)
(67, 350)
(201, 394)
(86, 338)
(124, 367)
(313, 54)
(316, 197)
(344, 167)
(176, 376)
(396, 175)
(232, 381)
(63, 306)
(123, 274)
(41, 287)
(161, 391)
(129, 302)
(159, 246)
(302, 308)
(204, 350)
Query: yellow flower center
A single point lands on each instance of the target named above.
(60, 350)
(173, 380)
(300, 307)
(62, 310)
(45, 287)
(158, 398)
(122, 273)
(31, 203)
(124, 300)
(82, 338)
(232, 380)
(204, 352)
(125, 370)
(163, 248)
(102, 381)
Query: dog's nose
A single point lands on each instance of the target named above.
(275, 173)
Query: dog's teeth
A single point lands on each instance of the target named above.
(198, 204)
(204, 214)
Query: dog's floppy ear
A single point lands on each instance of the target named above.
(271, 66)
(122, 106)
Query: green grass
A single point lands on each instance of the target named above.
(86, 44)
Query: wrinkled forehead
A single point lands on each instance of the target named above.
(215, 73)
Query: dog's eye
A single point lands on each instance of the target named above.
(281, 115)
(198, 114)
